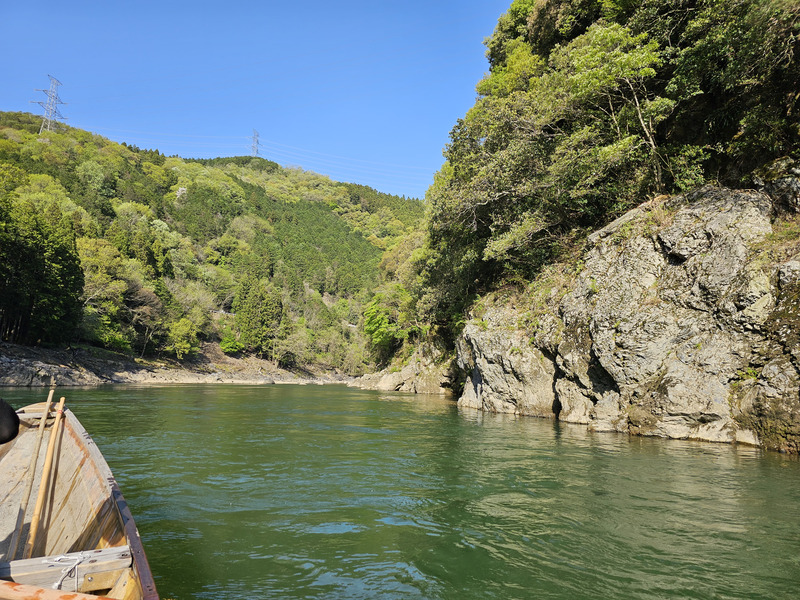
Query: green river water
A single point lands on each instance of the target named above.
(249, 492)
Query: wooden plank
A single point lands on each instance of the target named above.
(13, 470)
(10, 590)
(81, 514)
(102, 582)
(95, 569)
(127, 588)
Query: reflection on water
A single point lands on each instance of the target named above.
(329, 492)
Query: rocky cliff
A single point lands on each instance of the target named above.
(680, 320)
(683, 322)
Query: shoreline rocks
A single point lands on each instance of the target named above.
(426, 372)
(22, 366)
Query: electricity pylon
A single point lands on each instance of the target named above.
(256, 144)
(51, 112)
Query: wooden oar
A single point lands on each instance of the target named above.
(45, 483)
(26, 496)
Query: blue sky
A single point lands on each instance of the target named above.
(359, 91)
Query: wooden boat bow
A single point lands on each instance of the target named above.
(88, 545)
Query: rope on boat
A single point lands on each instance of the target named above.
(69, 570)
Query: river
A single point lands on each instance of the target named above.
(290, 491)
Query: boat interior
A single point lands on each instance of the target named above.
(64, 524)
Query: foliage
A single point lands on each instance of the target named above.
(591, 107)
(253, 163)
(388, 321)
(259, 312)
(128, 249)
(230, 345)
(182, 338)
(40, 274)
(103, 294)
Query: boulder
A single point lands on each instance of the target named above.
(426, 372)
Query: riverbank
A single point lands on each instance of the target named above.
(25, 366)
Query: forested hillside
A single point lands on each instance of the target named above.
(130, 250)
(591, 107)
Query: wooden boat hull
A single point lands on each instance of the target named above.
(87, 542)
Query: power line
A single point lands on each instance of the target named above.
(276, 147)
(376, 174)
(51, 112)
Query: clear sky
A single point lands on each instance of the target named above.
(360, 91)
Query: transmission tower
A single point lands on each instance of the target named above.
(51, 112)
(255, 145)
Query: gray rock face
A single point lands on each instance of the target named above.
(504, 373)
(781, 181)
(679, 325)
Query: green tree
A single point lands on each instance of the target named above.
(387, 320)
(259, 311)
(103, 295)
(41, 275)
(182, 338)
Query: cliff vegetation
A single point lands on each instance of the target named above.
(590, 108)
